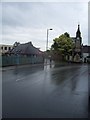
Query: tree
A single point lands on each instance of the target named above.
(67, 34)
(63, 44)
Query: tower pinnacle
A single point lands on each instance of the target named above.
(78, 33)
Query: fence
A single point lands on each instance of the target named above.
(19, 60)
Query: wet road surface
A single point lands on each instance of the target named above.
(51, 91)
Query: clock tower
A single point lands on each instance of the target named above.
(78, 46)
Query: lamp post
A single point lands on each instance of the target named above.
(47, 41)
(47, 38)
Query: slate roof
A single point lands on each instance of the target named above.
(86, 49)
(26, 49)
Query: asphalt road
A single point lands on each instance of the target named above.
(51, 91)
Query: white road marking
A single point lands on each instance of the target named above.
(20, 79)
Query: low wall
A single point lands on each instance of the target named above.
(19, 60)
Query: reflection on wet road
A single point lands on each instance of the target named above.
(46, 92)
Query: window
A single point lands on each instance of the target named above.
(9, 48)
(5, 48)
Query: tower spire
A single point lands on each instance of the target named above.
(78, 33)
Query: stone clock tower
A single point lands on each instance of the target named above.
(78, 46)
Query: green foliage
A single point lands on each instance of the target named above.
(66, 34)
(63, 44)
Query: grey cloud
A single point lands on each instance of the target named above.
(19, 17)
(38, 14)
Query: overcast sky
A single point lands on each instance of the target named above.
(29, 21)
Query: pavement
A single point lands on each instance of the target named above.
(45, 91)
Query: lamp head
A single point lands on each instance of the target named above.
(50, 29)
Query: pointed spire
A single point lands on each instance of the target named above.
(78, 27)
(78, 33)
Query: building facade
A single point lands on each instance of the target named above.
(77, 50)
(86, 53)
(5, 48)
(22, 54)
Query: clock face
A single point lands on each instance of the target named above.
(78, 38)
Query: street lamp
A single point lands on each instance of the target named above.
(47, 38)
(47, 42)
